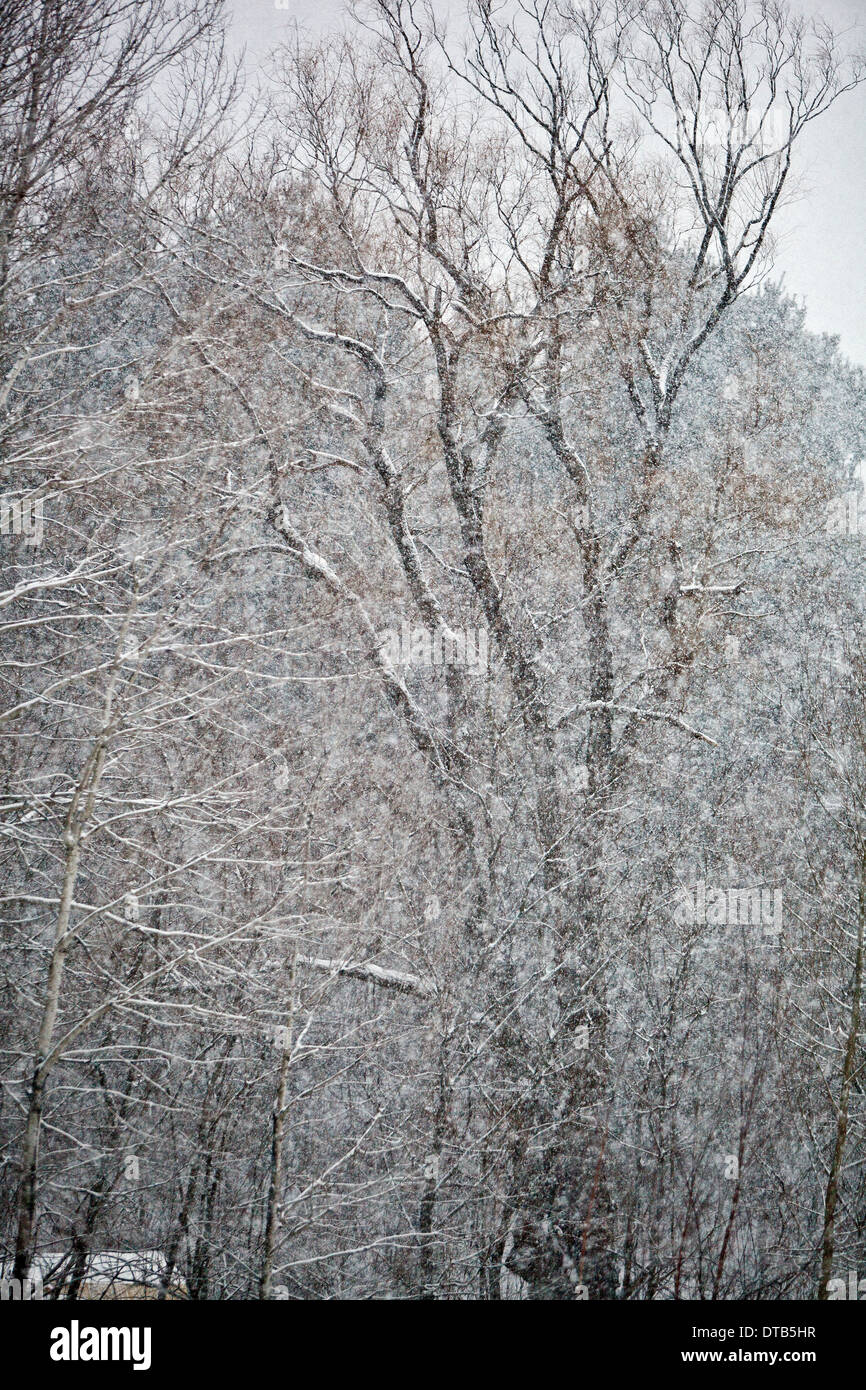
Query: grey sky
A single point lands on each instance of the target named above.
(820, 232)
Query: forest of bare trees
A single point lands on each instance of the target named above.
(433, 710)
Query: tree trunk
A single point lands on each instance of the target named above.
(272, 1219)
(831, 1196)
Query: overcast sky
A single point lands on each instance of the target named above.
(821, 233)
